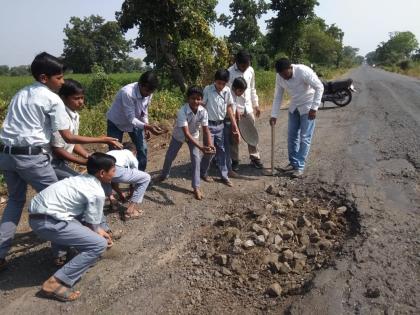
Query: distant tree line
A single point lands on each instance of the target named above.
(402, 49)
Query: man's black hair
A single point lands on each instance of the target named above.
(44, 63)
(129, 146)
(239, 83)
(222, 75)
(242, 57)
(283, 64)
(71, 87)
(99, 161)
(150, 80)
(194, 90)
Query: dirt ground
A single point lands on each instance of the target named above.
(343, 240)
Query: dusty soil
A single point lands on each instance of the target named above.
(188, 256)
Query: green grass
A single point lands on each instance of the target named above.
(413, 71)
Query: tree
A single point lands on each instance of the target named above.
(131, 65)
(4, 70)
(400, 46)
(244, 21)
(92, 40)
(176, 36)
(286, 29)
(19, 71)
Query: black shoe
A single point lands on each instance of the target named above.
(257, 163)
(235, 165)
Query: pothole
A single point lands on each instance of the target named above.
(269, 245)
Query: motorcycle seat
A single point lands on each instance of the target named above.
(334, 86)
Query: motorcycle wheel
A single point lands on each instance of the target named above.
(342, 98)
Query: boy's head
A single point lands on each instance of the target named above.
(130, 147)
(239, 86)
(102, 166)
(148, 83)
(72, 94)
(48, 70)
(194, 97)
(243, 60)
(221, 78)
(284, 68)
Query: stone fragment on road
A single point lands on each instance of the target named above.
(274, 290)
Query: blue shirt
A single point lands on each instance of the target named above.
(216, 102)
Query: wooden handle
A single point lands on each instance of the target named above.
(273, 141)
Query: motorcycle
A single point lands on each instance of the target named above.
(338, 92)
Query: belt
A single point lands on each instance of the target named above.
(40, 216)
(215, 122)
(20, 150)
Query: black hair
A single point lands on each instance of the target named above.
(239, 83)
(44, 63)
(283, 64)
(222, 75)
(149, 80)
(99, 161)
(242, 57)
(71, 87)
(194, 90)
(129, 146)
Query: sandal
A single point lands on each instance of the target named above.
(65, 296)
(60, 261)
(198, 194)
(227, 182)
(207, 179)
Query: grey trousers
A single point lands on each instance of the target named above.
(62, 169)
(139, 179)
(254, 153)
(171, 154)
(19, 171)
(218, 139)
(89, 245)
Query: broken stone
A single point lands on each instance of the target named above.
(237, 242)
(329, 225)
(248, 244)
(268, 207)
(277, 239)
(274, 290)
(226, 271)
(299, 265)
(287, 254)
(372, 293)
(270, 258)
(341, 210)
(287, 235)
(281, 193)
(253, 276)
(260, 240)
(304, 239)
(221, 259)
(303, 221)
(311, 251)
(290, 225)
(299, 256)
(295, 200)
(222, 221)
(285, 268)
(196, 262)
(323, 213)
(325, 244)
(279, 211)
(262, 218)
(290, 203)
(256, 228)
(270, 189)
(264, 232)
(231, 233)
(236, 266)
(236, 222)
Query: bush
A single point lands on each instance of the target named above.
(406, 65)
(101, 88)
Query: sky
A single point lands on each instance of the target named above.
(29, 27)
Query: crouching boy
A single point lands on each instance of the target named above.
(56, 214)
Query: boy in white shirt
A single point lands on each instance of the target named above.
(126, 171)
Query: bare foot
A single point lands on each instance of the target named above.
(198, 194)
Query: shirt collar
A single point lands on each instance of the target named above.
(73, 115)
(137, 91)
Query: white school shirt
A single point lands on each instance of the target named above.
(216, 102)
(186, 118)
(34, 113)
(239, 103)
(57, 140)
(70, 198)
(130, 109)
(125, 158)
(250, 94)
(304, 88)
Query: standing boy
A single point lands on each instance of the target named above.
(242, 68)
(34, 113)
(130, 113)
(218, 102)
(305, 90)
(189, 119)
(68, 214)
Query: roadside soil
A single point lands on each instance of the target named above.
(342, 240)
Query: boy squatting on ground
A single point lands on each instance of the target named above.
(34, 113)
(68, 214)
(126, 171)
(242, 68)
(217, 100)
(130, 113)
(238, 88)
(189, 119)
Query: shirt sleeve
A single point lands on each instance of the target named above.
(312, 79)
(94, 209)
(58, 116)
(205, 120)
(278, 97)
(57, 140)
(146, 111)
(181, 118)
(128, 108)
(205, 96)
(254, 96)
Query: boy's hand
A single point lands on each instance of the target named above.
(155, 129)
(113, 142)
(105, 235)
(257, 112)
(208, 149)
(236, 135)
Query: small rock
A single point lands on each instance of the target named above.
(341, 210)
(329, 225)
(311, 251)
(274, 290)
(237, 242)
(253, 276)
(231, 233)
(325, 244)
(226, 271)
(295, 200)
(304, 239)
(279, 211)
(236, 266)
(285, 268)
(196, 262)
(290, 225)
(270, 189)
(299, 265)
(281, 193)
(287, 235)
(268, 207)
(221, 259)
(248, 244)
(290, 203)
(287, 254)
(373, 293)
(277, 240)
(262, 218)
(264, 232)
(270, 258)
(256, 228)
(260, 240)
(236, 222)
(303, 221)
(323, 213)
(299, 256)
